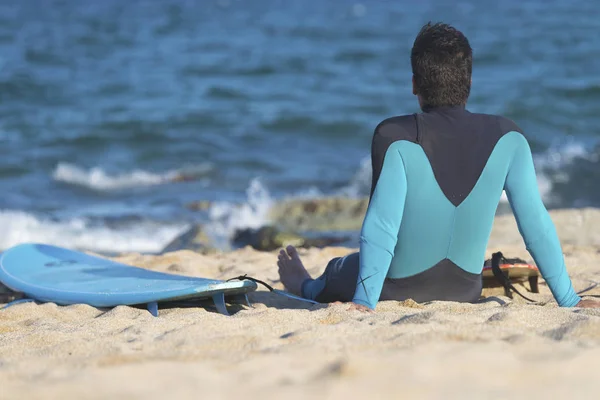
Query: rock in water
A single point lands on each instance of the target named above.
(320, 215)
(266, 238)
(202, 205)
(269, 238)
(327, 214)
(193, 239)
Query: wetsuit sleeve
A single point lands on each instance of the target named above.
(536, 226)
(379, 232)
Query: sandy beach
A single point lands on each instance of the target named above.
(200, 137)
(283, 348)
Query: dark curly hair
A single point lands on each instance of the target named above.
(442, 62)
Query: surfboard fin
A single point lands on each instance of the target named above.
(153, 308)
(219, 300)
(20, 301)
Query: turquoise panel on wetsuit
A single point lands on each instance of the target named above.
(411, 225)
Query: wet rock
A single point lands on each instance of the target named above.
(327, 219)
(266, 238)
(311, 215)
(183, 178)
(269, 238)
(320, 215)
(202, 205)
(193, 239)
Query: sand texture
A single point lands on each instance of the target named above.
(283, 348)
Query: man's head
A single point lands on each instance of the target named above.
(442, 61)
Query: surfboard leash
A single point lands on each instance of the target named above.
(271, 288)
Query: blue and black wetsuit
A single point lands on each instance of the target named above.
(437, 180)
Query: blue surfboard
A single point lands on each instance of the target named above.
(53, 274)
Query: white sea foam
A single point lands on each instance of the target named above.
(559, 156)
(97, 179)
(226, 218)
(78, 233)
(550, 166)
(360, 183)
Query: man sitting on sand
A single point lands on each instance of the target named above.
(437, 180)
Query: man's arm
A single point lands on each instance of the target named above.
(380, 228)
(536, 226)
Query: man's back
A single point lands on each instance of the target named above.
(437, 180)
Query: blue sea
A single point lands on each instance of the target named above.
(103, 104)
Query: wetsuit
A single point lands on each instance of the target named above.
(437, 180)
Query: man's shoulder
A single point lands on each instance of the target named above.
(503, 124)
(402, 127)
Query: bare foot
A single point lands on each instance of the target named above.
(291, 270)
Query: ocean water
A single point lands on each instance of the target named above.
(103, 104)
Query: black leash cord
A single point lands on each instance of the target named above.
(249, 278)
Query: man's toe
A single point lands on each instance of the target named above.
(293, 253)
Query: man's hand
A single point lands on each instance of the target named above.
(355, 307)
(359, 307)
(588, 303)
